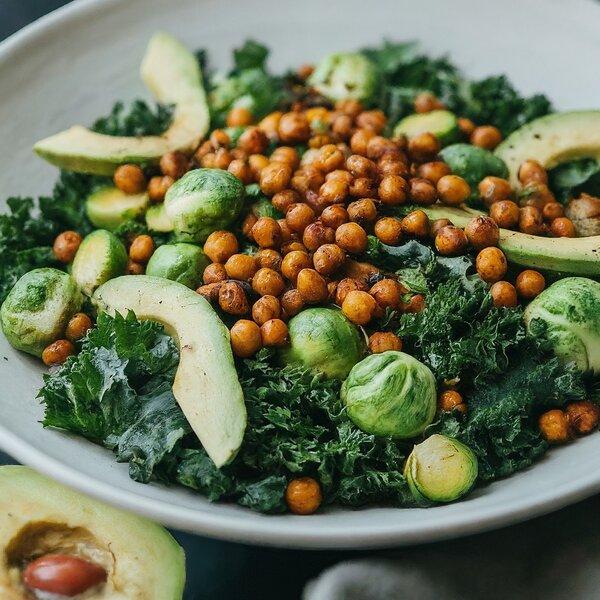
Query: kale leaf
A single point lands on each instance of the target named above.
(570, 179)
(140, 119)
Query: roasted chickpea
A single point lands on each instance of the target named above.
(491, 264)
(329, 158)
(349, 107)
(504, 294)
(318, 141)
(359, 166)
(341, 127)
(530, 283)
(210, 291)
(466, 126)
(562, 227)
(158, 186)
(334, 216)
(531, 171)
(134, 268)
(359, 141)
(392, 190)
(267, 233)
(292, 302)
(266, 308)
(57, 352)
(253, 141)
(303, 495)
(284, 199)
(505, 213)
(130, 179)
(316, 234)
(450, 400)
(387, 293)
(486, 136)
(208, 161)
(362, 211)
(389, 230)
(362, 187)
(359, 307)
(79, 324)
(213, 273)
(257, 162)
(240, 169)
(174, 164)
(241, 267)
(437, 225)
(531, 220)
(223, 158)
(274, 332)
(66, 245)
(433, 171)
(268, 258)
(482, 232)
(378, 147)
(248, 224)
(416, 223)
(232, 298)
(299, 216)
(554, 426)
(537, 195)
(293, 128)
(493, 189)
(267, 282)
(388, 166)
(239, 117)
(372, 120)
(451, 241)
(287, 155)
(220, 245)
(422, 191)
(426, 102)
(423, 147)
(245, 337)
(141, 248)
(552, 210)
(293, 262)
(351, 237)
(583, 417)
(382, 341)
(416, 304)
(312, 286)
(347, 285)
(219, 138)
(328, 258)
(341, 175)
(334, 191)
(205, 148)
(361, 271)
(275, 177)
(453, 190)
(292, 246)
(270, 124)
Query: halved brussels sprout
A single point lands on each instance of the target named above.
(181, 262)
(440, 469)
(390, 394)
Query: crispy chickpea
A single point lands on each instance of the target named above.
(210, 291)
(316, 234)
(387, 166)
(287, 155)
(389, 230)
(359, 307)
(482, 231)
(362, 211)
(372, 120)
(158, 186)
(531, 171)
(208, 161)
(303, 495)
(268, 258)
(270, 124)
(583, 416)
(453, 190)
(422, 191)
(379, 146)
(293, 128)
(493, 189)
(486, 136)
(423, 147)
(292, 246)
(174, 164)
(416, 304)
(130, 179)
(219, 138)
(466, 126)
(246, 340)
(241, 267)
(451, 241)
(362, 187)
(450, 400)
(141, 248)
(134, 268)
(299, 216)
(274, 332)
(266, 308)
(437, 225)
(536, 195)
(562, 227)
(287, 235)
(341, 175)
(248, 224)
(267, 233)
(552, 210)
(504, 294)
(267, 282)
(253, 141)
(359, 166)
(334, 216)
(530, 283)
(505, 213)
(491, 264)
(205, 148)
(341, 127)
(257, 162)
(223, 158)
(361, 271)
(433, 171)
(318, 141)
(57, 352)
(328, 258)
(232, 298)
(293, 262)
(239, 117)
(416, 223)
(346, 285)
(349, 106)
(292, 302)
(79, 324)
(312, 285)
(284, 199)
(275, 177)
(334, 191)
(554, 426)
(531, 220)
(240, 169)
(214, 273)
(329, 158)
(382, 341)
(351, 237)
(359, 141)
(66, 245)
(220, 245)
(392, 190)
(426, 102)
(387, 293)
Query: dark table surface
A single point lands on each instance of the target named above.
(226, 571)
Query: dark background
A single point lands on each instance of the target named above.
(234, 571)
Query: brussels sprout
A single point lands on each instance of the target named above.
(37, 309)
(202, 201)
(390, 394)
(567, 315)
(323, 339)
(351, 75)
(440, 469)
(181, 262)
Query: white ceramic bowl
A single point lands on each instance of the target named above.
(72, 65)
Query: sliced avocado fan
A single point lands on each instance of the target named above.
(172, 73)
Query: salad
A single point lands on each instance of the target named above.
(365, 281)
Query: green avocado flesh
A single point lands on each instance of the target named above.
(109, 207)
(552, 139)
(172, 73)
(442, 123)
(580, 256)
(206, 384)
(40, 516)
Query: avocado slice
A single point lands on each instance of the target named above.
(580, 256)
(552, 139)
(158, 220)
(206, 384)
(109, 207)
(442, 123)
(40, 516)
(172, 73)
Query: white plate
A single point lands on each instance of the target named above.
(72, 65)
